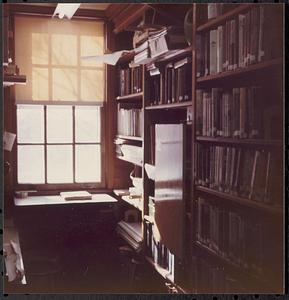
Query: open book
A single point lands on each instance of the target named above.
(77, 195)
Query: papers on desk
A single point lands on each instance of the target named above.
(77, 195)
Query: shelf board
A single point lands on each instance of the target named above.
(128, 137)
(120, 193)
(235, 141)
(171, 55)
(130, 98)
(216, 255)
(128, 160)
(240, 200)
(135, 202)
(9, 80)
(240, 71)
(170, 105)
(224, 17)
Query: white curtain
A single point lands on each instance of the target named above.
(48, 51)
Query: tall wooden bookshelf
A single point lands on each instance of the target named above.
(213, 259)
(220, 261)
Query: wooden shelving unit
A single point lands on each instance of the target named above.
(240, 142)
(254, 74)
(129, 137)
(246, 71)
(224, 17)
(172, 55)
(162, 271)
(9, 80)
(184, 104)
(269, 208)
(260, 73)
(137, 97)
(135, 202)
(129, 160)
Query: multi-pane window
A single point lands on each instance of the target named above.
(59, 144)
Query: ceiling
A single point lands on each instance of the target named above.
(93, 6)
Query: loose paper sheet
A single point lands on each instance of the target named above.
(110, 59)
(8, 140)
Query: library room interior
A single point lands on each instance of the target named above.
(143, 148)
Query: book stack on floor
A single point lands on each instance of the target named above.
(131, 232)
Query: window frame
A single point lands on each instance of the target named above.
(64, 186)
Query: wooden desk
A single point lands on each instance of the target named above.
(57, 200)
(66, 228)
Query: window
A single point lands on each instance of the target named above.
(59, 144)
(59, 110)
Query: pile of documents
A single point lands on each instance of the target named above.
(130, 232)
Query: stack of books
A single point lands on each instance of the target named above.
(131, 232)
(76, 195)
(156, 42)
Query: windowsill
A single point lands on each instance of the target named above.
(34, 192)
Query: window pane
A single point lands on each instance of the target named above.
(30, 124)
(59, 124)
(59, 164)
(31, 164)
(87, 124)
(87, 163)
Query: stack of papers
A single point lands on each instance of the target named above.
(131, 232)
(77, 195)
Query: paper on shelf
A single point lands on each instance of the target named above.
(110, 59)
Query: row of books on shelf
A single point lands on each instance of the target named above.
(237, 113)
(160, 254)
(214, 10)
(213, 278)
(130, 80)
(233, 236)
(130, 121)
(246, 39)
(254, 174)
(172, 83)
